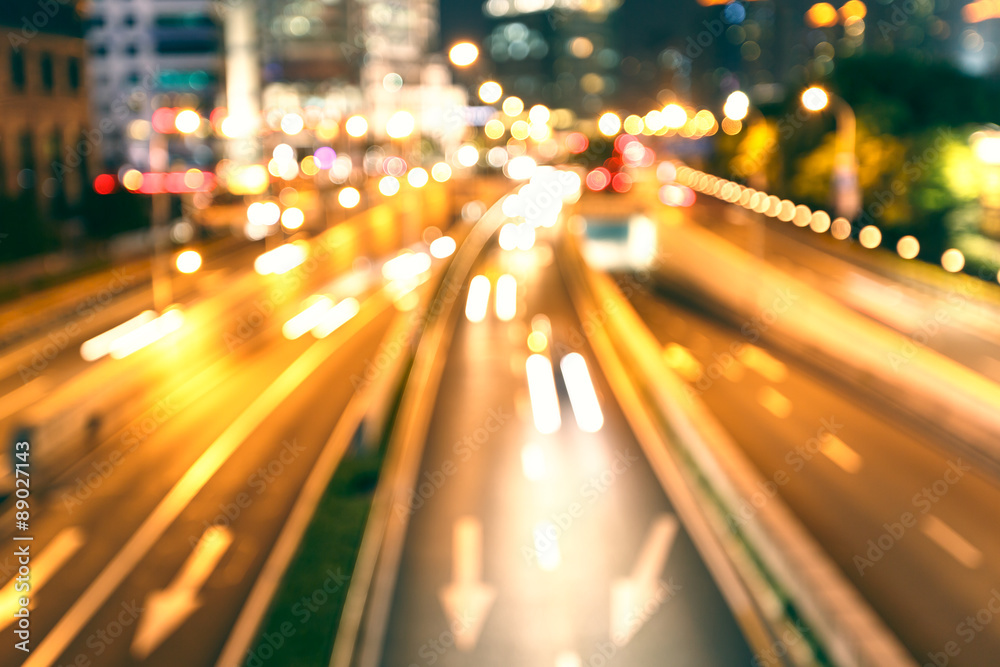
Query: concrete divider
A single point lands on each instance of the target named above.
(771, 571)
(960, 406)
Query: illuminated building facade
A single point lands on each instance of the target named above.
(46, 145)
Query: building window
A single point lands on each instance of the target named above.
(192, 46)
(48, 74)
(84, 148)
(53, 157)
(3, 169)
(99, 50)
(27, 151)
(131, 50)
(128, 21)
(26, 177)
(17, 74)
(73, 73)
(185, 21)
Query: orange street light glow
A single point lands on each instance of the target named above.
(463, 54)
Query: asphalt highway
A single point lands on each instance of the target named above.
(218, 463)
(543, 548)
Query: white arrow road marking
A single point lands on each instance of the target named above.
(630, 596)
(166, 610)
(466, 600)
(62, 547)
(951, 541)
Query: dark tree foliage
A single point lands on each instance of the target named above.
(905, 94)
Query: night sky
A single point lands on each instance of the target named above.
(645, 27)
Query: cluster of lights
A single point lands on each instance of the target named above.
(400, 125)
(668, 121)
(178, 182)
(290, 122)
(869, 236)
(537, 204)
(322, 314)
(284, 163)
(628, 152)
(825, 15)
(535, 123)
(167, 120)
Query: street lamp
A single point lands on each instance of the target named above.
(815, 98)
(513, 106)
(463, 54)
(356, 126)
(609, 124)
(737, 106)
(188, 261)
(187, 121)
(674, 116)
(490, 92)
(400, 125)
(847, 194)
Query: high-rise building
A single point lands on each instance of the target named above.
(310, 41)
(147, 54)
(561, 53)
